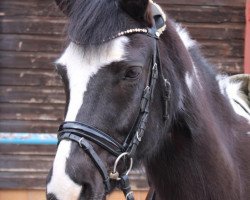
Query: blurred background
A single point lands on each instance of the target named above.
(32, 36)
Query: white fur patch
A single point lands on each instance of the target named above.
(197, 77)
(185, 37)
(60, 184)
(189, 81)
(192, 80)
(189, 43)
(81, 65)
(231, 90)
(223, 82)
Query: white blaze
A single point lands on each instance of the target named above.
(81, 65)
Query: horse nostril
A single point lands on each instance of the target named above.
(86, 192)
(51, 197)
(83, 189)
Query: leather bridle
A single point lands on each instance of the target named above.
(83, 133)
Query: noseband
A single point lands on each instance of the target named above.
(83, 133)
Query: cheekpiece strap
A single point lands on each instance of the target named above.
(126, 188)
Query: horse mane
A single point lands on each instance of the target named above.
(93, 21)
(184, 112)
(205, 135)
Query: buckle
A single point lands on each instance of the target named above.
(115, 174)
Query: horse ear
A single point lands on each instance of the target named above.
(138, 9)
(65, 5)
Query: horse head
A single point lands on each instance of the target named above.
(138, 91)
(108, 70)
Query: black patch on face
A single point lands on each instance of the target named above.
(62, 72)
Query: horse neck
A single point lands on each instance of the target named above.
(197, 153)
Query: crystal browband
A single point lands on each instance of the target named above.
(156, 10)
(135, 30)
(131, 31)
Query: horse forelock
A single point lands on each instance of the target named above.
(91, 21)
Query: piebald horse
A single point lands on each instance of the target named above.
(138, 91)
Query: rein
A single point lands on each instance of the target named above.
(83, 133)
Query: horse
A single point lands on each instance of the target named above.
(140, 93)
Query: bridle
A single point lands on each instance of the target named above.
(83, 133)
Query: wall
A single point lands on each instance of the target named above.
(218, 25)
(31, 38)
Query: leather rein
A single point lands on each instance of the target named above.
(83, 133)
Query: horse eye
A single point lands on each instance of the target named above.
(133, 72)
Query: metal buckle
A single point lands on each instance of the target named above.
(129, 194)
(138, 136)
(79, 142)
(115, 174)
(154, 66)
(155, 71)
